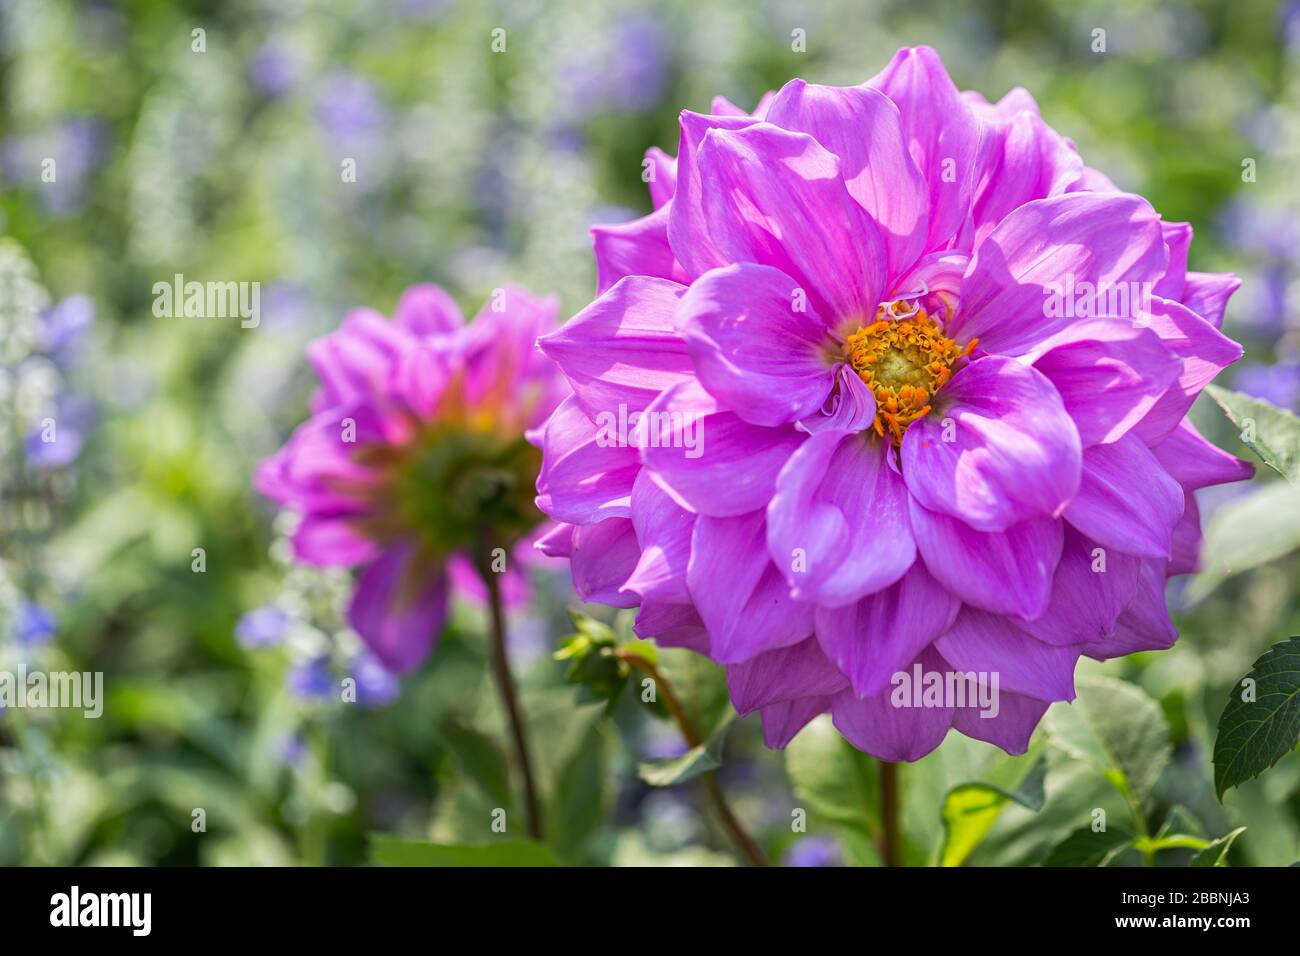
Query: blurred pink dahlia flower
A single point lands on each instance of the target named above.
(414, 467)
(887, 396)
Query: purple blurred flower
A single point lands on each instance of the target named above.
(263, 627)
(274, 68)
(313, 679)
(815, 851)
(33, 625)
(349, 109)
(63, 328)
(629, 74)
(416, 454)
(58, 443)
(1278, 384)
(880, 457)
(376, 685)
(76, 144)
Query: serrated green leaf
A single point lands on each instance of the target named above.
(670, 771)
(1255, 734)
(837, 784)
(1265, 429)
(393, 851)
(1117, 729)
(1087, 847)
(1216, 854)
(970, 810)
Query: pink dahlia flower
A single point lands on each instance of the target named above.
(889, 386)
(414, 467)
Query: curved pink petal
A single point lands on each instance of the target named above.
(1207, 294)
(783, 719)
(1008, 572)
(623, 349)
(740, 595)
(333, 541)
(800, 670)
(983, 643)
(1009, 728)
(672, 625)
(635, 248)
(663, 533)
(602, 557)
(710, 460)
(428, 310)
(862, 127)
(941, 131)
(882, 634)
(1178, 237)
(1022, 276)
(1145, 623)
(898, 724)
(587, 471)
(1109, 374)
(756, 345)
(1205, 352)
(399, 607)
(1090, 590)
(662, 172)
(687, 225)
(1195, 463)
(999, 448)
(837, 525)
(1022, 159)
(1126, 500)
(776, 198)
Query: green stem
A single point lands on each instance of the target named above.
(891, 839)
(750, 850)
(509, 697)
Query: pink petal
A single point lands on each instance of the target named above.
(838, 524)
(755, 348)
(999, 449)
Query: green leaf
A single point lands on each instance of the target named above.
(837, 784)
(1087, 847)
(1216, 854)
(1255, 734)
(394, 851)
(481, 759)
(670, 771)
(1117, 729)
(577, 802)
(971, 809)
(700, 685)
(1260, 526)
(1265, 429)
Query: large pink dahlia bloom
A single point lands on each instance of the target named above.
(888, 396)
(414, 466)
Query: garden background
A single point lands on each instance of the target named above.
(475, 168)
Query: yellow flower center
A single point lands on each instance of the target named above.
(904, 359)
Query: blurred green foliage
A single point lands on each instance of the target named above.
(474, 168)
